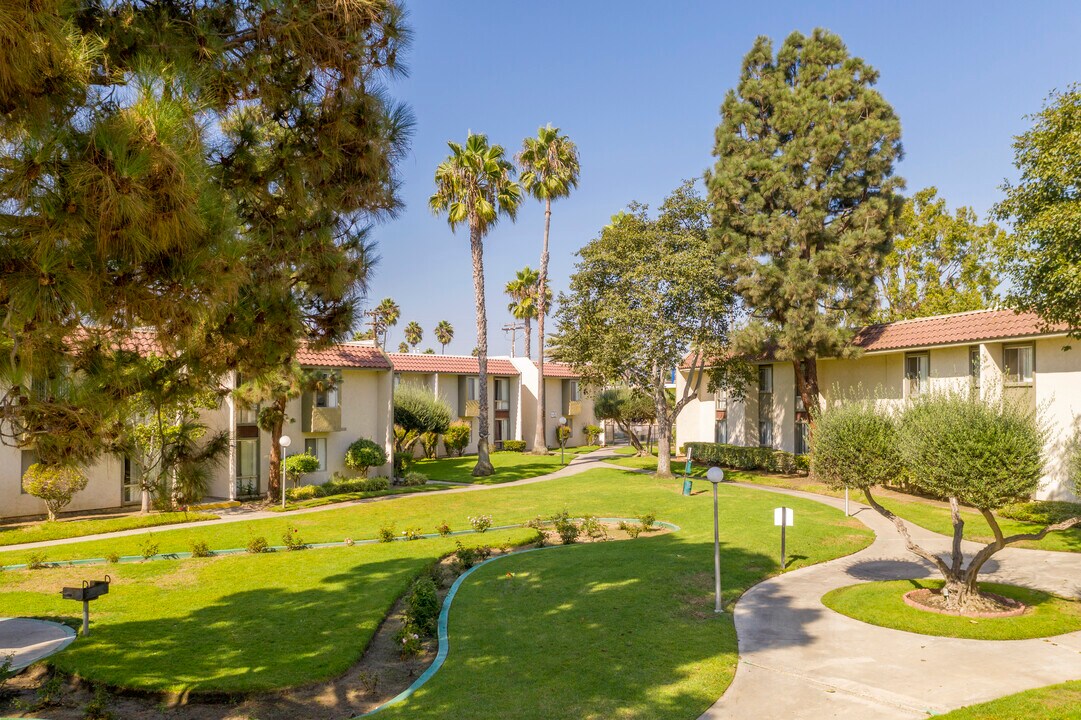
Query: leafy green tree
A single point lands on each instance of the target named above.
(57, 485)
(416, 411)
(386, 313)
(414, 333)
(456, 438)
(363, 454)
(803, 197)
(940, 263)
(1044, 261)
(475, 185)
(444, 333)
(550, 171)
(299, 465)
(644, 293)
(204, 170)
(626, 408)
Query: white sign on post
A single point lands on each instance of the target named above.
(782, 516)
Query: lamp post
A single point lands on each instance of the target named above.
(285, 441)
(715, 475)
(562, 439)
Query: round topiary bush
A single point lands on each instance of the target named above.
(55, 484)
(364, 454)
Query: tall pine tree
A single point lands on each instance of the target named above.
(803, 194)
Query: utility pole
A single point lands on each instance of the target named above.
(377, 323)
(513, 329)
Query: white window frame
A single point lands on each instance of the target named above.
(916, 383)
(319, 445)
(1013, 379)
(765, 406)
(501, 388)
(472, 388)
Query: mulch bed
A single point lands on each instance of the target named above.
(988, 605)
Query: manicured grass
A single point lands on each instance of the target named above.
(509, 466)
(881, 603)
(347, 497)
(62, 529)
(257, 622)
(1054, 702)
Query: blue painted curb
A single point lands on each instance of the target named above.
(444, 616)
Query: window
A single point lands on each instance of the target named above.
(326, 398)
(803, 434)
(502, 393)
(765, 405)
(397, 380)
(721, 401)
(720, 432)
(573, 390)
(1018, 362)
(974, 364)
(247, 466)
(247, 414)
(26, 459)
(501, 427)
(917, 370)
(318, 448)
(472, 385)
(129, 484)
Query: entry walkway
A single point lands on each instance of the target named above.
(798, 659)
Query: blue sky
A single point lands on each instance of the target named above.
(638, 85)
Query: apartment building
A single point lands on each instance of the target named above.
(998, 352)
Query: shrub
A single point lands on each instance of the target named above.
(199, 549)
(300, 464)
(443, 529)
(338, 486)
(467, 557)
(631, 529)
(566, 528)
(292, 540)
(429, 442)
(648, 520)
(412, 479)
(257, 544)
(304, 492)
(149, 548)
(1041, 512)
(36, 561)
(98, 708)
(563, 434)
(386, 533)
(514, 445)
(456, 438)
(402, 460)
(348, 542)
(364, 454)
(413, 533)
(408, 639)
(422, 606)
(745, 458)
(112, 557)
(593, 528)
(55, 484)
(481, 523)
(592, 432)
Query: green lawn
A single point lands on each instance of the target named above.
(880, 603)
(257, 622)
(509, 466)
(61, 529)
(348, 497)
(1054, 702)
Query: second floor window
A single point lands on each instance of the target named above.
(502, 393)
(721, 401)
(326, 398)
(1018, 362)
(472, 388)
(917, 372)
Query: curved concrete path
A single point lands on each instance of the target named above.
(798, 659)
(577, 464)
(26, 641)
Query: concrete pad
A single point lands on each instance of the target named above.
(28, 641)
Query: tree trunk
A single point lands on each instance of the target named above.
(274, 478)
(540, 444)
(632, 438)
(807, 386)
(528, 333)
(664, 426)
(483, 467)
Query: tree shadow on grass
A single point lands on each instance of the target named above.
(619, 629)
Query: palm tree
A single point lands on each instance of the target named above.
(403, 347)
(475, 185)
(523, 291)
(549, 171)
(414, 333)
(444, 333)
(387, 313)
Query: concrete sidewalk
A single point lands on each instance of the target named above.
(26, 640)
(798, 659)
(577, 464)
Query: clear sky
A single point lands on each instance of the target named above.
(638, 85)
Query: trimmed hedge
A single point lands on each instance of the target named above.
(338, 487)
(514, 445)
(747, 458)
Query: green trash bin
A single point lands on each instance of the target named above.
(687, 487)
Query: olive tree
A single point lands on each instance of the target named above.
(55, 484)
(416, 411)
(626, 409)
(954, 447)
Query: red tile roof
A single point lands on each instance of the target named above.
(953, 329)
(345, 355)
(559, 370)
(453, 364)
